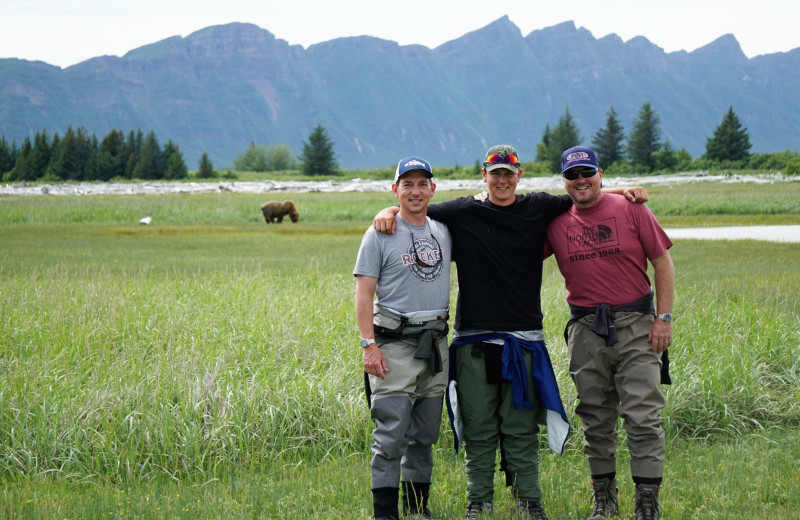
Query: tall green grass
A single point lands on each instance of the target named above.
(214, 357)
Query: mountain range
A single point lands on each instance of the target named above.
(223, 87)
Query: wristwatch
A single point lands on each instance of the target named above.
(663, 317)
(366, 342)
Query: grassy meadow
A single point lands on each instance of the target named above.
(207, 366)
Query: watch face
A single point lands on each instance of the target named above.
(665, 317)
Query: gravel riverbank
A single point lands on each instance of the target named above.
(553, 182)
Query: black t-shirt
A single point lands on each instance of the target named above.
(498, 254)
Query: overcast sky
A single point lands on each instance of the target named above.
(65, 32)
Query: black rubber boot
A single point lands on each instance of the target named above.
(384, 503)
(415, 499)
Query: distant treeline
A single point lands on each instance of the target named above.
(642, 150)
(78, 156)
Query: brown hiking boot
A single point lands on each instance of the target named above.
(605, 499)
(647, 502)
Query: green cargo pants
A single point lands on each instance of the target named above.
(488, 415)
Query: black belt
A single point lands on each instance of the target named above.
(603, 324)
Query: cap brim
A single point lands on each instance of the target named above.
(426, 172)
(513, 167)
(581, 165)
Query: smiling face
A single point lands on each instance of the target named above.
(414, 189)
(585, 191)
(502, 183)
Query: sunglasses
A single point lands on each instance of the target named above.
(416, 254)
(501, 158)
(571, 175)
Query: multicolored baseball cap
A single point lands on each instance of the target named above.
(412, 163)
(578, 156)
(501, 156)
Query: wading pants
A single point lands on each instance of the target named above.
(407, 411)
(618, 381)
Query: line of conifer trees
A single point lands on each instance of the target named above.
(643, 149)
(79, 156)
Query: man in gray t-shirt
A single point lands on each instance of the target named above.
(402, 307)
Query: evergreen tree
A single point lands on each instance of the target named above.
(65, 165)
(111, 157)
(6, 162)
(543, 148)
(63, 158)
(14, 152)
(22, 169)
(91, 170)
(645, 139)
(318, 157)
(55, 152)
(133, 147)
(476, 168)
(76, 159)
(206, 169)
(40, 155)
(608, 141)
(151, 160)
(564, 135)
(730, 141)
(176, 166)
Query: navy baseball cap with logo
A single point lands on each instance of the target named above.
(578, 156)
(410, 164)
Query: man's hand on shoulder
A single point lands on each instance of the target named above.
(384, 221)
(480, 197)
(636, 194)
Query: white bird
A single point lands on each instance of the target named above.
(145, 221)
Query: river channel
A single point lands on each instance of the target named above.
(769, 233)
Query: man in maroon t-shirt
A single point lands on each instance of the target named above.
(616, 336)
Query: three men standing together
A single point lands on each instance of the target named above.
(502, 385)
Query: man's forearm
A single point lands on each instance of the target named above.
(365, 291)
(664, 274)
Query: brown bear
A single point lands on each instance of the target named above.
(275, 209)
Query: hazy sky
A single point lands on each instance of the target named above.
(65, 32)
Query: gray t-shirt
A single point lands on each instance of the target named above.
(405, 287)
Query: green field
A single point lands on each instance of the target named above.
(207, 366)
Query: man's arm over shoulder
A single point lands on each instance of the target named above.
(385, 222)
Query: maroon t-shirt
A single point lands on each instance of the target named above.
(602, 251)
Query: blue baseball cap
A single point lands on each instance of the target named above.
(578, 156)
(410, 164)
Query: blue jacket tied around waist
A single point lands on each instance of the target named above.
(544, 381)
